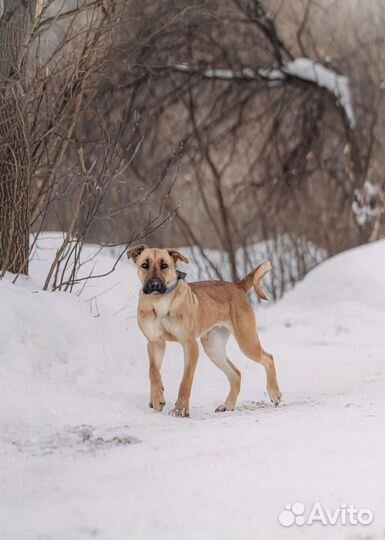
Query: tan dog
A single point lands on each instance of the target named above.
(170, 309)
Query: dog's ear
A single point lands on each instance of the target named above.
(176, 256)
(136, 251)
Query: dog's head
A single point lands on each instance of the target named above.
(156, 267)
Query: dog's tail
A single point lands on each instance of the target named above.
(254, 279)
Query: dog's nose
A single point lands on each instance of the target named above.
(153, 286)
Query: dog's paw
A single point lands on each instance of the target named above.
(182, 412)
(224, 408)
(157, 401)
(275, 396)
(157, 406)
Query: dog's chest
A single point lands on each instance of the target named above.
(161, 322)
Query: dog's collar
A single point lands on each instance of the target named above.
(179, 276)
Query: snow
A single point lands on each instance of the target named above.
(271, 73)
(82, 455)
(281, 252)
(312, 71)
(217, 73)
(367, 204)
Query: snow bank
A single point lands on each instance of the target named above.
(82, 456)
(282, 253)
(351, 277)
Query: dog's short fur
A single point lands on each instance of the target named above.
(209, 310)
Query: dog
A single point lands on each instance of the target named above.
(170, 309)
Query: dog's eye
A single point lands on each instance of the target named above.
(164, 266)
(145, 265)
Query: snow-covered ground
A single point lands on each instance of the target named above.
(82, 456)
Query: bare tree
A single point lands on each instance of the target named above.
(16, 17)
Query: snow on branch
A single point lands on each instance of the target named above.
(301, 68)
(312, 71)
(218, 73)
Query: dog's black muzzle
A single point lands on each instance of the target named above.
(154, 286)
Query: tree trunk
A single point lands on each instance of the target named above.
(15, 20)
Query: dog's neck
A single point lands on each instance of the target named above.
(179, 276)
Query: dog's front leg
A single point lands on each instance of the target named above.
(155, 353)
(191, 353)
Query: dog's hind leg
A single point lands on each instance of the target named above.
(245, 332)
(214, 344)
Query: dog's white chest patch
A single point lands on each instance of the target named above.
(160, 322)
(171, 325)
(162, 307)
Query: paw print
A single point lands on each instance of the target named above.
(292, 514)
